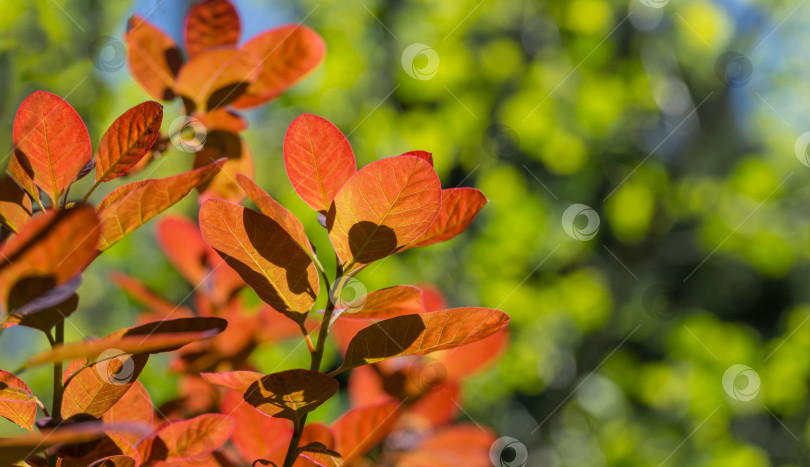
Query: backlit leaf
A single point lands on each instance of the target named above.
(17, 403)
(131, 207)
(115, 461)
(146, 297)
(256, 436)
(231, 146)
(359, 430)
(15, 205)
(238, 380)
(264, 254)
(459, 208)
(51, 142)
(51, 249)
(274, 210)
(23, 176)
(210, 24)
(128, 139)
(154, 58)
(382, 208)
(291, 394)
(421, 334)
(192, 439)
(387, 303)
(216, 77)
(422, 155)
(320, 455)
(112, 444)
(319, 160)
(287, 53)
(134, 407)
(47, 309)
(95, 389)
(450, 447)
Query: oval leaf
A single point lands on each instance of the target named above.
(421, 334)
(17, 403)
(132, 205)
(210, 24)
(128, 139)
(382, 208)
(264, 254)
(359, 430)
(15, 205)
(192, 439)
(51, 142)
(319, 160)
(428, 156)
(291, 394)
(215, 78)
(288, 53)
(387, 303)
(48, 309)
(459, 208)
(51, 250)
(95, 389)
(134, 407)
(320, 455)
(256, 436)
(154, 58)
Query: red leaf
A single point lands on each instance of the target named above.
(319, 455)
(359, 430)
(387, 303)
(23, 176)
(134, 407)
(95, 389)
(422, 155)
(51, 142)
(215, 78)
(146, 297)
(17, 403)
(450, 447)
(274, 210)
(469, 359)
(130, 206)
(154, 58)
(128, 139)
(15, 205)
(238, 380)
(459, 208)
(264, 254)
(382, 208)
(256, 436)
(421, 334)
(23, 447)
(210, 24)
(287, 54)
(291, 394)
(193, 439)
(116, 461)
(112, 444)
(319, 160)
(52, 248)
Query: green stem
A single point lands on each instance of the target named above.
(58, 388)
(92, 189)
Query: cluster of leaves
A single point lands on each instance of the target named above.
(215, 76)
(101, 415)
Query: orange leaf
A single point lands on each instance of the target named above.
(51, 249)
(320, 455)
(128, 139)
(47, 309)
(382, 208)
(192, 439)
(319, 160)
(211, 24)
(154, 58)
(470, 359)
(215, 78)
(15, 205)
(81, 455)
(130, 207)
(274, 210)
(155, 337)
(422, 155)
(359, 430)
(116, 461)
(23, 176)
(256, 436)
(219, 144)
(421, 334)
(95, 389)
(17, 403)
(450, 447)
(459, 208)
(387, 303)
(134, 407)
(51, 142)
(264, 254)
(146, 297)
(291, 394)
(238, 380)
(287, 53)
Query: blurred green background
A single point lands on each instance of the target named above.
(677, 125)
